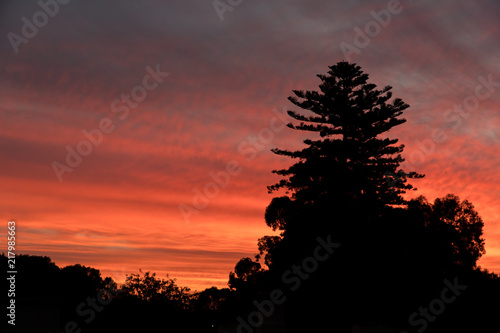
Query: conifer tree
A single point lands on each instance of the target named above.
(351, 159)
(349, 175)
(345, 187)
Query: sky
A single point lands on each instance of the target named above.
(137, 134)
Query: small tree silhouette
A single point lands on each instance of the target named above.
(456, 226)
(147, 287)
(246, 273)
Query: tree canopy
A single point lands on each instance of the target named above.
(147, 287)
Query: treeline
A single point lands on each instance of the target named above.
(78, 298)
(407, 295)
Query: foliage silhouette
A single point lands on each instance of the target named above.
(246, 272)
(147, 287)
(49, 297)
(211, 299)
(456, 226)
(348, 183)
(351, 157)
(346, 178)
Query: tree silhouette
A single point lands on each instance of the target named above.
(351, 160)
(88, 279)
(456, 226)
(211, 299)
(266, 245)
(348, 184)
(147, 287)
(246, 273)
(349, 176)
(465, 228)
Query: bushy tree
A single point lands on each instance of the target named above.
(211, 299)
(88, 279)
(246, 273)
(147, 287)
(453, 227)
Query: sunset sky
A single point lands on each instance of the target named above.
(216, 114)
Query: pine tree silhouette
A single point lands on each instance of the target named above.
(351, 159)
